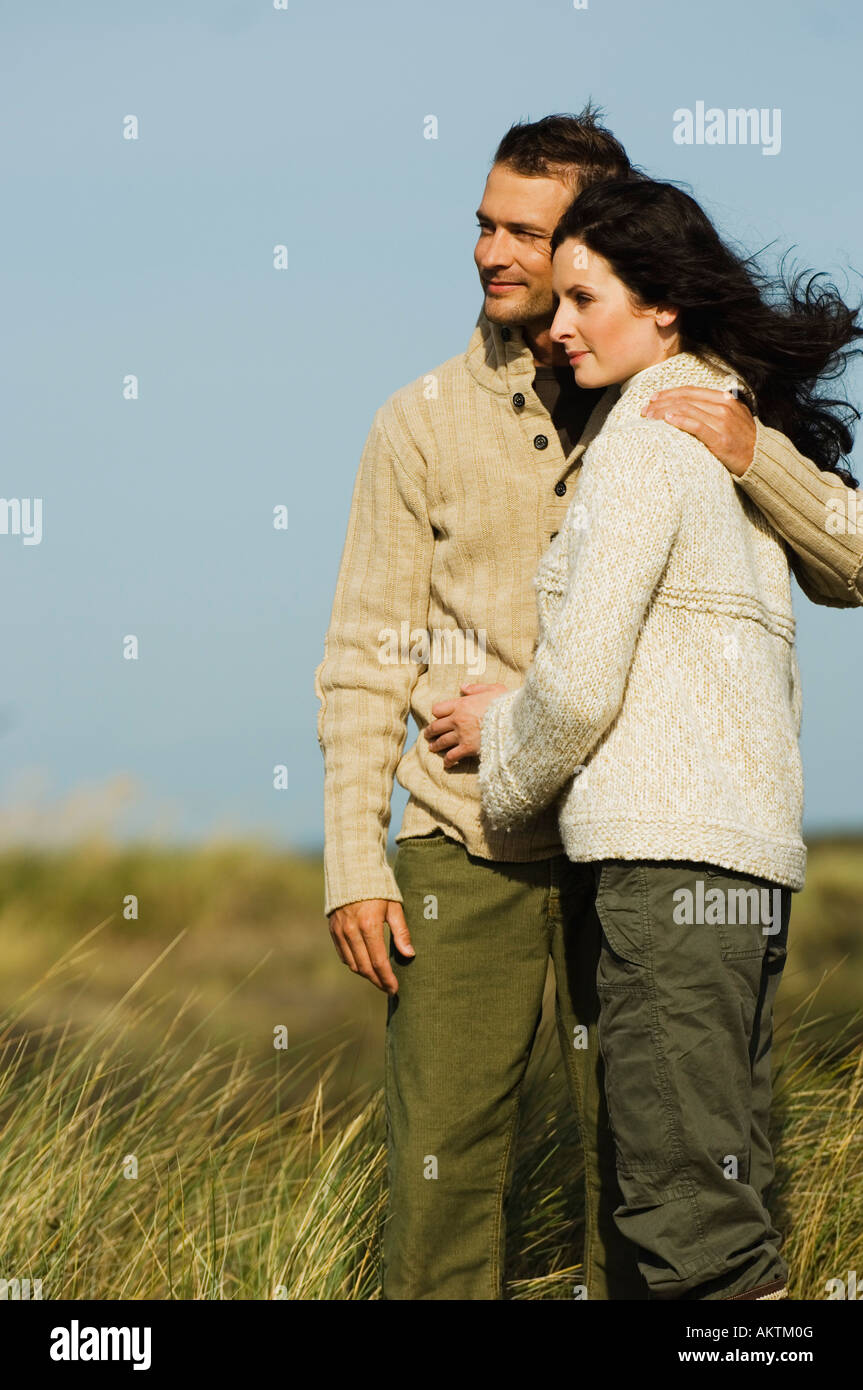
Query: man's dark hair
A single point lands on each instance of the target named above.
(577, 149)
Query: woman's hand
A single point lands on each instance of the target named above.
(455, 731)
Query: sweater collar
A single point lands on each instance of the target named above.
(501, 362)
(498, 358)
(683, 369)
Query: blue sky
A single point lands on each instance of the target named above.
(304, 127)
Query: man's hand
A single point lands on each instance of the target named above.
(456, 730)
(357, 930)
(717, 418)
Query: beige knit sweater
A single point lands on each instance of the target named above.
(460, 488)
(662, 709)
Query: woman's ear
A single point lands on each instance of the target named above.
(666, 316)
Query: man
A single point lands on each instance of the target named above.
(466, 476)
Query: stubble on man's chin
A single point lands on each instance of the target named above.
(534, 310)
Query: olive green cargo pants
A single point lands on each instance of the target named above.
(459, 1036)
(458, 1039)
(690, 963)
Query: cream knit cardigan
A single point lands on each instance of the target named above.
(662, 706)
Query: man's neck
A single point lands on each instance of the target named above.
(545, 352)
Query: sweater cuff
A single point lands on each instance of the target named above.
(784, 486)
(357, 883)
(763, 471)
(502, 805)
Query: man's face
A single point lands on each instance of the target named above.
(517, 216)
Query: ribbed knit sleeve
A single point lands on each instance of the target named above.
(365, 700)
(628, 513)
(815, 512)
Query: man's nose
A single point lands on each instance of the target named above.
(495, 250)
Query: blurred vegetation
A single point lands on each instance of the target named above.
(260, 1172)
(249, 947)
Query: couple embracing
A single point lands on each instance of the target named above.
(613, 483)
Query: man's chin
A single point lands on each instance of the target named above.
(510, 311)
(496, 312)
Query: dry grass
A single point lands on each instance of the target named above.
(154, 1143)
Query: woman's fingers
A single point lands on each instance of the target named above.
(456, 734)
(461, 750)
(449, 739)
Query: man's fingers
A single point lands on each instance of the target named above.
(659, 409)
(359, 937)
(343, 946)
(695, 423)
(399, 928)
(381, 972)
(705, 394)
(335, 934)
(358, 931)
(726, 426)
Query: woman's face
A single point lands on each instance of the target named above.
(604, 335)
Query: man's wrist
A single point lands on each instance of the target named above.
(756, 444)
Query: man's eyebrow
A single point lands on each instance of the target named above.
(515, 226)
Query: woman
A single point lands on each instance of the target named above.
(662, 713)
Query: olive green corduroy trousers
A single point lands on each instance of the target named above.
(675, 1169)
(458, 1039)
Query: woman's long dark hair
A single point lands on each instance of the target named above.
(783, 336)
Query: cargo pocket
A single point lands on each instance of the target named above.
(634, 1080)
(750, 910)
(620, 907)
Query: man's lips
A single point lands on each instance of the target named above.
(501, 286)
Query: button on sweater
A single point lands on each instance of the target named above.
(661, 712)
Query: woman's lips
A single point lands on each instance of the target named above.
(576, 356)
